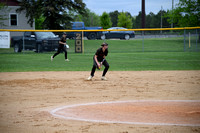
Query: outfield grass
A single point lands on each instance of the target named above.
(123, 56)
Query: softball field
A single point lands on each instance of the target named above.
(128, 102)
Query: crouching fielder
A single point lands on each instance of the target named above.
(99, 60)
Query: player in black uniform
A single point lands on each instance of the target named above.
(99, 60)
(61, 46)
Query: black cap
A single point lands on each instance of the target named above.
(104, 44)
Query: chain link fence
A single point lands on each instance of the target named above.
(121, 41)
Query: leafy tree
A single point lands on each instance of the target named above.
(152, 20)
(124, 20)
(39, 23)
(77, 17)
(105, 21)
(89, 19)
(165, 23)
(149, 20)
(92, 19)
(114, 18)
(134, 22)
(56, 12)
(186, 14)
(32, 10)
(138, 20)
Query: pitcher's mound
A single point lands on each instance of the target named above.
(183, 113)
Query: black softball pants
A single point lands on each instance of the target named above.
(59, 50)
(105, 63)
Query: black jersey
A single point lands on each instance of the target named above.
(63, 39)
(100, 54)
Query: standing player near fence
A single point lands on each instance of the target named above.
(61, 46)
(99, 60)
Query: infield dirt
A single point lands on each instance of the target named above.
(26, 98)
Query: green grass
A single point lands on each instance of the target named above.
(123, 56)
(138, 45)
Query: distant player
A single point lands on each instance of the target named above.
(99, 60)
(62, 44)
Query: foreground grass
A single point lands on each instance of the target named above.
(118, 61)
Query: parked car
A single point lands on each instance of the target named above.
(37, 41)
(118, 34)
(91, 35)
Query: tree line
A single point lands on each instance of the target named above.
(58, 14)
(186, 14)
(124, 19)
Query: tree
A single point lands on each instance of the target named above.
(31, 8)
(124, 20)
(149, 20)
(186, 14)
(39, 23)
(56, 12)
(165, 23)
(105, 21)
(114, 18)
(138, 20)
(134, 22)
(92, 19)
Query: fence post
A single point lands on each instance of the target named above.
(23, 42)
(196, 41)
(142, 41)
(184, 42)
(82, 42)
(189, 40)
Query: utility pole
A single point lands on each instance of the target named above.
(172, 25)
(161, 20)
(143, 13)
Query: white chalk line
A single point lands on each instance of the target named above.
(53, 112)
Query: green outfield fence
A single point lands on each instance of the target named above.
(185, 39)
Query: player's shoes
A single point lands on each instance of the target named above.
(51, 58)
(66, 59)
(103, 78)
(89, 78)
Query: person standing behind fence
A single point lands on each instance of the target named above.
(61, 46)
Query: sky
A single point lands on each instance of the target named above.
(131, 6)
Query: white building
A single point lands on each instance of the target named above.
(14, 20)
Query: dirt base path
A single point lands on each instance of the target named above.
(27, 98)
